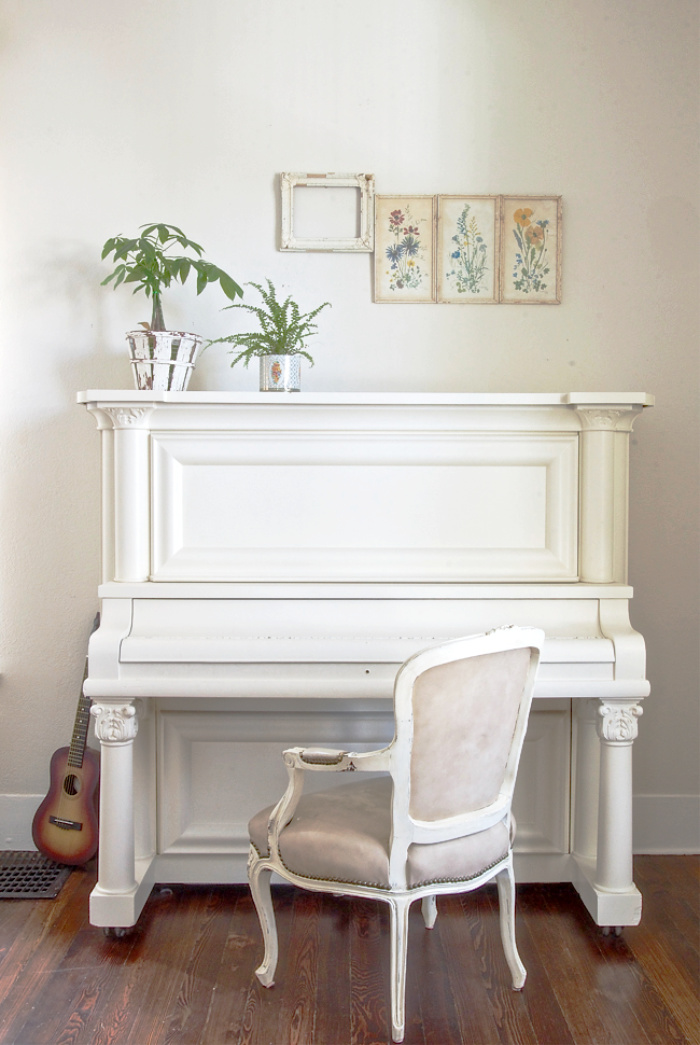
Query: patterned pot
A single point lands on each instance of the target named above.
(279, 374)
(163, 360)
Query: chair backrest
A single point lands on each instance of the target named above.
(461, 714)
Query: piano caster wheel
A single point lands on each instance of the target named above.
(612, 930)
(116, 931)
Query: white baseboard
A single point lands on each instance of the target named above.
(662, 823)
(16, 815)
(667, 824)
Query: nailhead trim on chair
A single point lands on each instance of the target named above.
(465, 878)
(375, 885)
(318, 877)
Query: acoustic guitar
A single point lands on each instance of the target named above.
(65, 826)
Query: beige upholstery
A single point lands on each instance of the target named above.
(435, 815)
(455, 769)
(344, 834)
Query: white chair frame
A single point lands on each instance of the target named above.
(394, 759)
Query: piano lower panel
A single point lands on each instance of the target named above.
(218, 762)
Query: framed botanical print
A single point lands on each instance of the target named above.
(468, 254)
(404, 249)
(531, 250)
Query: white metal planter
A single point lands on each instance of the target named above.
(163, 360)
(280, 374)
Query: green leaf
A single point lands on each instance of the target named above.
(147, 249)
(191, 244)
(125, 247)
(230, 287)
(119, 269)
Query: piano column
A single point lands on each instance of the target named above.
(602, 563)
(132, 510)
(116, 722)
(116, 727)
(617, 729)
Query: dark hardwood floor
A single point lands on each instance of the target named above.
(185, 974)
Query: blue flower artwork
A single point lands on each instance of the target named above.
(471, 256)
(405, 253)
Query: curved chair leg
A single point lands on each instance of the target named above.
(399, 939)
(428, 908)
(259, 875)
(506, 900)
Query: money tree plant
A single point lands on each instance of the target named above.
(148, 262)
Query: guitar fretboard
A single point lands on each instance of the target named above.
(80, 729)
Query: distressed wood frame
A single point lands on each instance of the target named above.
(364, 243)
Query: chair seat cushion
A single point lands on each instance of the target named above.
(343, 835)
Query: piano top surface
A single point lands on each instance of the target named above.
(372, 398)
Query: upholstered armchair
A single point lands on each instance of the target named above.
(434, 817)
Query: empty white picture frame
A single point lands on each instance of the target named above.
(350, 222)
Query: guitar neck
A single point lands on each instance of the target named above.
(80, 728)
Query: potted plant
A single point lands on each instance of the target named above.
(162, 359)
(279, 343)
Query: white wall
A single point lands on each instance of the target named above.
(114, 115)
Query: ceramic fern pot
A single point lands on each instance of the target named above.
(280, 374)
(163, 360)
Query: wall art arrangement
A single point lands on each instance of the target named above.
(468, 249)
(463, 250)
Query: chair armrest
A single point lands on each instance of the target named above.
(298, 760)
(336, 761)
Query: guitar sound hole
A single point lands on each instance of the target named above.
(71, 785)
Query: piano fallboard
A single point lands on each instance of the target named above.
(235, 643)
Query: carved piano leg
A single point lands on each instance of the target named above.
(112, 900)
(617, 729)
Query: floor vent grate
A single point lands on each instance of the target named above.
(30, 876)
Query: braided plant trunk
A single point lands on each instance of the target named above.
(157, 321)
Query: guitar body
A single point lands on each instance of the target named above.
(65, 826)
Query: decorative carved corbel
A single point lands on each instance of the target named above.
(127, 417)
(617, 723)
(115, 723)
(607, 419)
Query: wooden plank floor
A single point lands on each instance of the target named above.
(185, 974)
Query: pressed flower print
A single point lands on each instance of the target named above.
(468, 252)
(531, 249)
(403, 248)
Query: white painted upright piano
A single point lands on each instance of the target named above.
(269, 560)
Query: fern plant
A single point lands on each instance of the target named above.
(284, 329)
(146, 262)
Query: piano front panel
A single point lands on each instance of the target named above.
(376, 506)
